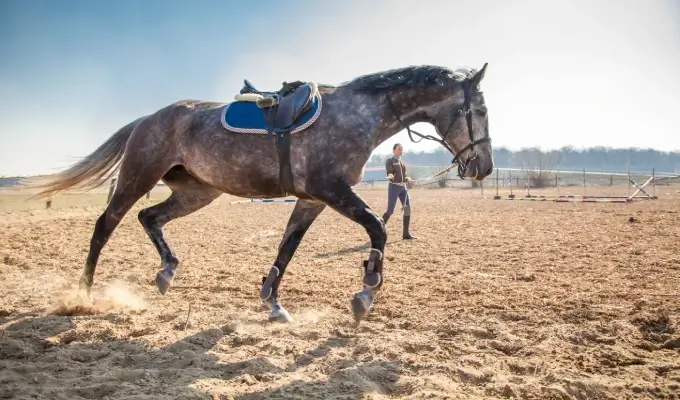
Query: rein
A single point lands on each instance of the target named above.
(445, 170)
(462, 167)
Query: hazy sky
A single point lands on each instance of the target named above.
(572, 72)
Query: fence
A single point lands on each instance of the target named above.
(553, 185)
(505, 183)
(581, 185)
(16, 198)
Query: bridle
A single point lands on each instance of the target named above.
(463, 110)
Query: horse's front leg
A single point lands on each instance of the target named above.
(343, 199)
(304, 214)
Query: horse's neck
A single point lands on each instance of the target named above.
(406, 111)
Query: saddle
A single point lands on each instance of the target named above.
(286, 104)
(281, 109)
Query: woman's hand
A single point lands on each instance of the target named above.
(390, 176)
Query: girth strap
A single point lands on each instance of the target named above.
(282, 150)
(285, 169)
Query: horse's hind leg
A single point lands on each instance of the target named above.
(304, 214)
(188, 195)
(343, 199)
(131, 187)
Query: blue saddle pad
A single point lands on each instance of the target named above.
(247, 117)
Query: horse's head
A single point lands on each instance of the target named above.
(461, 119)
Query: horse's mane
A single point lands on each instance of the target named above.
(409, 77)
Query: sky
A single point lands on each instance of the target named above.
(561, 72)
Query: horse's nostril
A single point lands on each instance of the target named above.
(489, 171)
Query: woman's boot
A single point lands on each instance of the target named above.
(407, 222)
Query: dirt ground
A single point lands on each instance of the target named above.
(496, 299)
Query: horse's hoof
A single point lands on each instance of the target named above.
(163, 282)
(84, 289)
(361, 304)
(85, 294)
(280, 315)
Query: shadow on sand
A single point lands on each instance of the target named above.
(348, 250)
(48, 357)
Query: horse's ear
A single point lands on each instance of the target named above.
(479, 76)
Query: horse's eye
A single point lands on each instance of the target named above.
(481, 111)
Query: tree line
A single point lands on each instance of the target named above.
(598, 158)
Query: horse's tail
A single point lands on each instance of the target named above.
(89, 173)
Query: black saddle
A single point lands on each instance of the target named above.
(281, 109)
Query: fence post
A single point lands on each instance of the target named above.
(496, 197)
(653, 183)
(526, 187)
(111, 189)
(611, 180)
(48, 203)
(512, 196)
(584, 181)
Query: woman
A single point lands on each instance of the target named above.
(398, 177)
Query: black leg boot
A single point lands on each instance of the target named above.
(407, 222)
(385, 217)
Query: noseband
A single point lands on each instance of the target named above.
(463, 110)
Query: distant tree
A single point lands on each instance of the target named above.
(538, 165)
(598, 158)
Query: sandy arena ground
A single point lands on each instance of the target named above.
(495, 299)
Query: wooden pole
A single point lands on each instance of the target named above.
(641, 188)
(584, 181)
(111, 189)
(526, 187)
(496, 197)
(653, 183)
(512, 196)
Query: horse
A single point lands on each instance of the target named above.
(324, 135)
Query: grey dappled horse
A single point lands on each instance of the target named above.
(324, 137)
